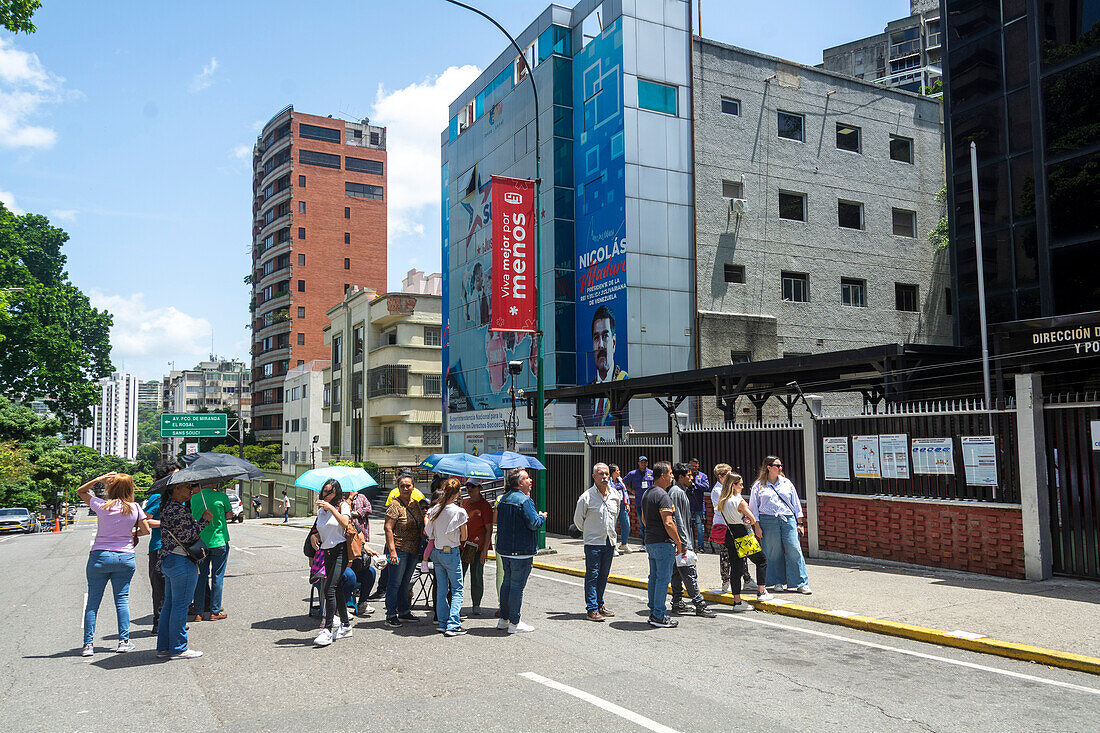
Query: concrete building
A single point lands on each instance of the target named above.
(149, 393)
(319, 228)
(215, 384)
(814, 193)
(906, 55)
(418, 283)
(383, 388)
(305, 436)
(114, 419)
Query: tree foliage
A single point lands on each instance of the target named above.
(148, 429)
(15, 15)
(265, 456)
(940, 236)
(55, 344)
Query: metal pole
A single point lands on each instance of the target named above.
(240, 415)
(981, 273)
(540, 406)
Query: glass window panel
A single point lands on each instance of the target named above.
(1019, 121)
(975, 70)
(849, 214)
(847, 137)
(901, 149)
(1017, 57)
(1072, 115)
(1026, 256)
(315, 132)
(1022, 170)
(656, 97)
(1068, 29)
(790, 125)
(1073, 188)
(792, 206)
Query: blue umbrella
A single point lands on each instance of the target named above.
(351, 478)
(511, 459)
(461, 464)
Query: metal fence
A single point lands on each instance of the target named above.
(949, 419)
(624, 453)
(744, 446)
(1073, 482)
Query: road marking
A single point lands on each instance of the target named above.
(5, 540)
(241, 549)
(871, 645)
(635, 718)
(83, 610)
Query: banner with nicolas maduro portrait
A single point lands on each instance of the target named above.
(514, 298)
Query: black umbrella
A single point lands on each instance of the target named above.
(209, 467)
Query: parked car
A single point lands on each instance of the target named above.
(235, 503)
(17, 519)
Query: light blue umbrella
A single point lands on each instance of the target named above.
(351, 478)
(461, 464)
(511, 459)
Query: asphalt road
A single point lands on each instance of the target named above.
(261, 672)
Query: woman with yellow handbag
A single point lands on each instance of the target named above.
(741, 544)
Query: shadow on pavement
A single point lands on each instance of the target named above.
(287, 623)
(129, 659)
(632, 626)
(566, 616)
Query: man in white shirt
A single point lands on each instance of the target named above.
(597, 516)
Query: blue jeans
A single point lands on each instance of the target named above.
(180, 577)
(448, 580)
(212, 572)
(597, 566)
(786, 565)
(397, 585)
(699, 519)
(662, 564)
(516, 573)
(117, 567)
(624, 523)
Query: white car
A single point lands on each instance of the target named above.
(235, 504)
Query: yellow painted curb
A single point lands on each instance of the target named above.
(1011, 650)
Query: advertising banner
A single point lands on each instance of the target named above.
(514, 264)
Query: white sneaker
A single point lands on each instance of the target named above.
(125, 646)
(740, 606)
(625, 548)
(87, 651)
(188, 654)
(520, 628)
(765, 596)
(725, 588)
(324, 638)
(501, 625)
(342, 632)
(805, 590)
(364, 609)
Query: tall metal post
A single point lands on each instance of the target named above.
(981, 273)
(540, 405)
(240, 415)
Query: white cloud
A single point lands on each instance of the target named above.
(242, 151)
(7, 198)
(25, 86)
(415, 116)
(63, 214)
(205, 77)
(145, 339)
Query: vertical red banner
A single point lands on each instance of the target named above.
(514, 263)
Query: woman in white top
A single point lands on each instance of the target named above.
(446, 528)
(735, 510)
(718, 525)
(331, 524)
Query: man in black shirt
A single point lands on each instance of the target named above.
(662, 543)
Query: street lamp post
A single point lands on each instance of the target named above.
(540, 400)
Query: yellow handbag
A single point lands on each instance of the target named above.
(747, 545)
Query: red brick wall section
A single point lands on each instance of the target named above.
(971, 537)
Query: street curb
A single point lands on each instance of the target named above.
(1010, 650)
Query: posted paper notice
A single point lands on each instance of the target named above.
(933, 455)
(980, 460)
(865, 456)
(894, 452)
(836, 458)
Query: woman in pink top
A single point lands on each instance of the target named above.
(120, 522)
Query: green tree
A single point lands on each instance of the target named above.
(148, 456)
(15, 15)
(940, 236)
(55, 344)
(15, 466)
(148, 430)
(266, 456)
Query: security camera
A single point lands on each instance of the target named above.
(515, 367)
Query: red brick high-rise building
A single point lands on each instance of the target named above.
(319, 227)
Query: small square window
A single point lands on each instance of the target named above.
(853, 292)
(849, 214)
(347, 212)
(301, 207)
(347, 287)
(791, 125)
(301, 232)
(904, 222)
(433, 336)
(656, 97)
(347, 263)
(901, 149)
(301, 339)
(740, 357)
(796, 287)
(735, 273)
(347, 238)
(301, 286)
(792, 206)
(848, 137)
(301, 311)
(301, 181)
(731, 106)
(905, 297)
(301, 259)
(733, 190)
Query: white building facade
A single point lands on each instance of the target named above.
(305, 436)
(114, 419)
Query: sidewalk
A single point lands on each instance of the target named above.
(1061, 614)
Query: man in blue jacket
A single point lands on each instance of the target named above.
(517, 541)
(637, 481)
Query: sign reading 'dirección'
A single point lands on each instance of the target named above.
(193, 425)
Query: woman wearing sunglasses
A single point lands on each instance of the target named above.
(775, 502)
(333, 518)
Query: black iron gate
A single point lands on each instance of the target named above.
(1073, 480)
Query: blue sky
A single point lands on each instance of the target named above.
(130, 124)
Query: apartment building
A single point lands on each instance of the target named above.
(319, 228)
(305, 436)
(114, 419)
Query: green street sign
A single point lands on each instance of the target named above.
(193, 425)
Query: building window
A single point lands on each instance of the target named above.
(791, 125)
(733, 190)
(324, 160)
(347, 212)
(301, 259)
(357, 389)
(849, 214)
(853, 292)
(431, 435)
(740, 357)
(848, 138)
(362, 190)
(905, 297)
(387, 435)
(301, 286)
(334, 438)
(357, 344)
(337, 394)
(301, 232)
(433, 336)
(337, 351)
(301, 311)
(735, 273)
(326, 396)
(315, 132)
(389, 337)
(391, 379)
(731, 106)
(792, 206)
(347, 239)
(796, 287)
(657, 97)
(301, 339)
(433, 384)
(901, 149)
(362, 165)
(301, 181)
(347, 287)
(904, 222)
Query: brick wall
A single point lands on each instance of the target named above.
(978, 538)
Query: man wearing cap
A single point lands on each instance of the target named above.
(597, 515)
(636, 482)
(479, 540)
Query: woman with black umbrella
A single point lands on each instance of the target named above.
(179, 530)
